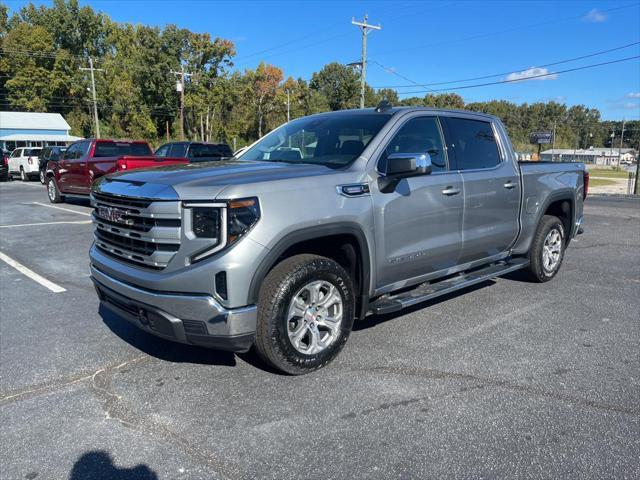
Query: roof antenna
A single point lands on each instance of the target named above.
(383, 106)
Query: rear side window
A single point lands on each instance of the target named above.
(199, 150)
(32, 152)
(163, 151)
(473, 144)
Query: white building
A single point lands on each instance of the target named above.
(30, 129)
(594, 155)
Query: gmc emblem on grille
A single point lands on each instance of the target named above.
(112, 214)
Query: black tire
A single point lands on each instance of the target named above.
(43, 179)
(538, 270)
(24, 176)
(278, 289)
(53, 192)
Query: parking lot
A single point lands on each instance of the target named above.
(505, 379)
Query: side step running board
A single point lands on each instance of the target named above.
(427, 291)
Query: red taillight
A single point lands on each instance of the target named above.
(6, 160)
(585, 177)
(30, 161)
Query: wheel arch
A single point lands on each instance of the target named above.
(343, 242)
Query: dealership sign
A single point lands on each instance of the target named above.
(541, 137)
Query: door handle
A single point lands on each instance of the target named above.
(81, 164)
(449, 191)
(509, 185)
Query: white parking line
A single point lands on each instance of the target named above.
(77, 222)
(31, 274)
(62, 208)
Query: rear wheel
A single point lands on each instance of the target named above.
(547, 249)
(43, 179)
(24, 176)
(53, 191)
(305, 314)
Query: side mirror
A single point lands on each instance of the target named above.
(408, 164)
(402, 165)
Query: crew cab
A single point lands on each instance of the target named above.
(24, 162)
(195, 151)
(86, 160)
(323, 221)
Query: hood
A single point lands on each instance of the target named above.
(212, 177)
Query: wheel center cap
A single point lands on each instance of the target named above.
(310, 314)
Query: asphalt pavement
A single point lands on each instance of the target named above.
(505, 379)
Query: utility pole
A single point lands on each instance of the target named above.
(621, 138)
(365, 27)
(288, 106)
(180, 88)
(553, 142)
(613, 134)
(93, 93)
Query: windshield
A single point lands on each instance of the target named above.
(331, 140)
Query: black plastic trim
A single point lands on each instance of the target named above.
(313, 233)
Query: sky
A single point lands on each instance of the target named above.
(430, 42)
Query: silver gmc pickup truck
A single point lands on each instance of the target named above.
(324, 220)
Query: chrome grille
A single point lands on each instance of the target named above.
(140, 231)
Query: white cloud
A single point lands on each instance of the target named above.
(532, 72)
(595, 16)
(633, 95)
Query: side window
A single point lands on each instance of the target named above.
(179, 150)
(420, 135)
(73, 152)
(163, 151)
(473, 144)
(16, 153)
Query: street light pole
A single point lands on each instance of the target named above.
(365, 27)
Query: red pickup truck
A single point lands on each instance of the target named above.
(86, 160)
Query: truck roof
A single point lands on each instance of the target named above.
(397, 110)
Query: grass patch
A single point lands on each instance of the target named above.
(603, 172)
(601, 182)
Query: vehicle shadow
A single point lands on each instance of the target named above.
(98, 464)
(373, 320)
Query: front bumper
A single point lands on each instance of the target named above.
(189, 319)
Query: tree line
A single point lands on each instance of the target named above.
(43, 48)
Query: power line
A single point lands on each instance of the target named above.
(594, 54)
(508, 30)
(394, 72)
(530, 77)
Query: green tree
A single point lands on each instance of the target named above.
(339, 84)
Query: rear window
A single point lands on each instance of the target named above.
(118, 149)
(200, 150)
(473, 143)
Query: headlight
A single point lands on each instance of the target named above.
(241, 216)
(223, 223)
(205, 222)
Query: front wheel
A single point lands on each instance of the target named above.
(547, 249)
(53, 191)
(305, 314)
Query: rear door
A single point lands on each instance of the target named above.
(418, 224)
(491, 187)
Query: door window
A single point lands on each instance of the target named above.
(179, 150)
(473, 144)
(163, 151)
(419, 135)
(16, 153)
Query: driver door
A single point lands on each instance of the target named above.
(419, 223)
